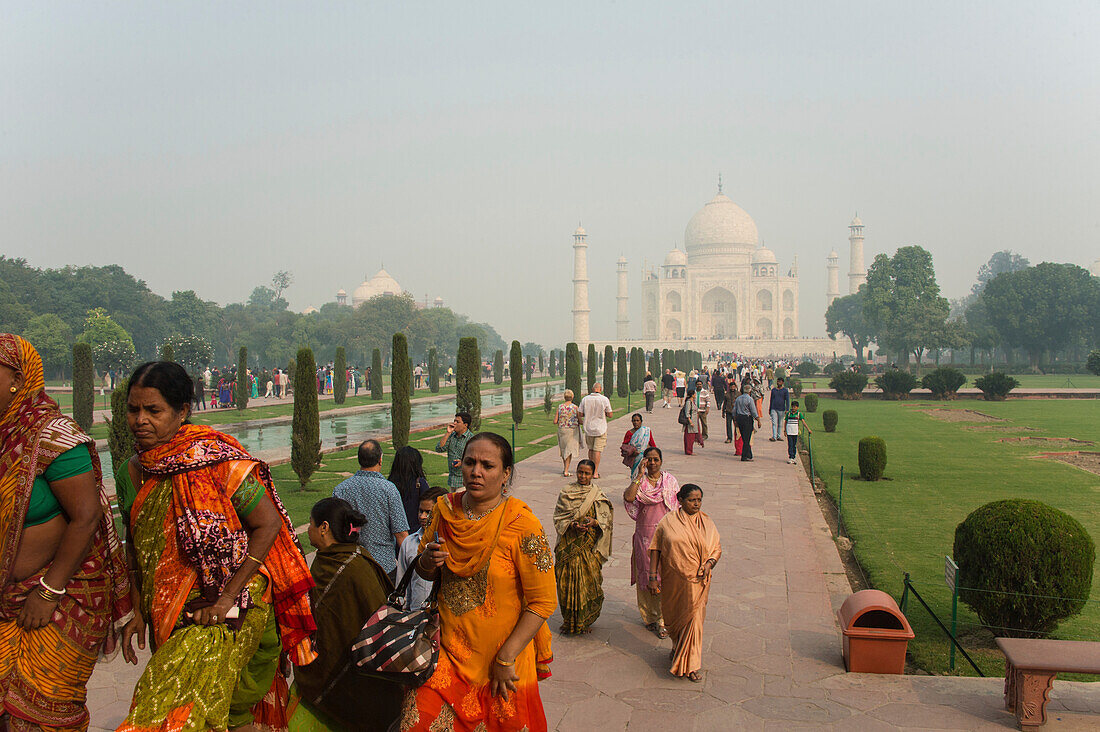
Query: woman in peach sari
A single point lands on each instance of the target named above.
(686, 546)
(497, 574)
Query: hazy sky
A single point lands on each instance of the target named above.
(206, 145)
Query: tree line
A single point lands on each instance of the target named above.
(1045, 312)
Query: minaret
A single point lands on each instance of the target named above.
(832, 266)
(622, 322)
(580, 289)
(857, 274)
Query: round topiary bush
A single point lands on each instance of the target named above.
(806, 369)
(811, 402)
(944, 382)
(1024, 566)
(1093, 362)
(849, 384)
(832, 368)
(829, 418)
(872, 458)
(996, 385)
(896, 384)
(795, 385)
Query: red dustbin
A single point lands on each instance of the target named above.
(876, 633)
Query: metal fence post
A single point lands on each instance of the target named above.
(810, 451)
(904, 593)
(840, 498)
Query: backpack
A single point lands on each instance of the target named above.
(683, 418)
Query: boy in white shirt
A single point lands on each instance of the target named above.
(419, 588)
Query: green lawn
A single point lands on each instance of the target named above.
(939, 472)
(338, 465)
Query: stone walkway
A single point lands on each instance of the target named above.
(771, 643)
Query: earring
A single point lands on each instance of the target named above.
(13, 390)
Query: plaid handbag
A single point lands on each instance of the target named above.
(399, 644)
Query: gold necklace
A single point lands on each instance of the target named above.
(470, 514)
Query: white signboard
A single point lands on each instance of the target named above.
(950, 569)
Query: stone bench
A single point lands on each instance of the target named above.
(1030, 667)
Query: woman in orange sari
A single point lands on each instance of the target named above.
(221, 580)
(63, 585)
(686, 546)
(497, 573)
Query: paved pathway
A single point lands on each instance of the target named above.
(771, 642)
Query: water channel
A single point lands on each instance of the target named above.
(341, 430)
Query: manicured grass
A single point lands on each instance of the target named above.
(938, 473)
(535, 434)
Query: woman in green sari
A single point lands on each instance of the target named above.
(583, 519)
(330, 694)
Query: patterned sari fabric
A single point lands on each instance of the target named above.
(498, 567)
(189, 541)
(579, 555)
(44, 672)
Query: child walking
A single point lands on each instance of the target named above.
(794, 418)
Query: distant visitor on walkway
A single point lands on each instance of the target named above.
(583, 518)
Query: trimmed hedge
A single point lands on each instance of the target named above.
(375, 374)
(829, 419)
(1093, 362)
(849, 384)
(608, 371)
(872, 458)
(832, 368)
(433, 371)
(400, 391)
(995, 386)
(468, 380)
(515, 372)
(811, 402)
(1024, 566)
(896, 384)
(806, 369)
(498, 367)
(592, 364)
(944, 382)
(622, 385)
(305, 431)
(244, 384)
(339, 376)
(573, 370)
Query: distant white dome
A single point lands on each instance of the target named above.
(341, 292)
(676, 257)
(580, 231)
(381, 284)
(763, 255)
(438, 302)
(720, 223)
(834, 255)
(856, 221)
(310, 310)
(622, 259)
(1095, 268)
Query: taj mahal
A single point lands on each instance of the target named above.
(723, 287)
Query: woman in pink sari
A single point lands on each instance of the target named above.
(650, 495)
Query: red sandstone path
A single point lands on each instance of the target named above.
(771, 642)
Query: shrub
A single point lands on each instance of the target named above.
(553, 363)
(1023, 565)
(468, 380)
(655, 365)
(849, 384)
(167, 353)
(542, 365)
(400, 388)
(795, 385)
(244, 384)
(375, 375)
(573, 370)
(120, 439)
(806, 369)
(621, 385)
(515, 366)
(592, 365)
(433, 371)
(996, 385)
(829, 418)
(608, 371)
(339, 376)
(547, 400)
(944, 382)
(811, 402)
(83, 394)
(872, 458)
(305, 435)
(1093, 362)
(832, 368)
(896, 384)
(498, 367)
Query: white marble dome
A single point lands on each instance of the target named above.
(763, 255)
(676, 258)
(721, 222)
(381, 284)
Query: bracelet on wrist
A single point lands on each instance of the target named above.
(502, 663)
(48, 596)
(47, 588)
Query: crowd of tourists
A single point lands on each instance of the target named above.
(210, 576)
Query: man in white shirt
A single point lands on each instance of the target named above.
(594, 411)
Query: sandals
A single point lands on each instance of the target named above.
(657, 629)
(695, 676)
(565, 474)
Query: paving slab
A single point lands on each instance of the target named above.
(772, 657)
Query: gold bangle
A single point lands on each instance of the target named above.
(45, 595)
(254, 559)
(502, 663)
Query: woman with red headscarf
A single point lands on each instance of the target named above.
(64, 586)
